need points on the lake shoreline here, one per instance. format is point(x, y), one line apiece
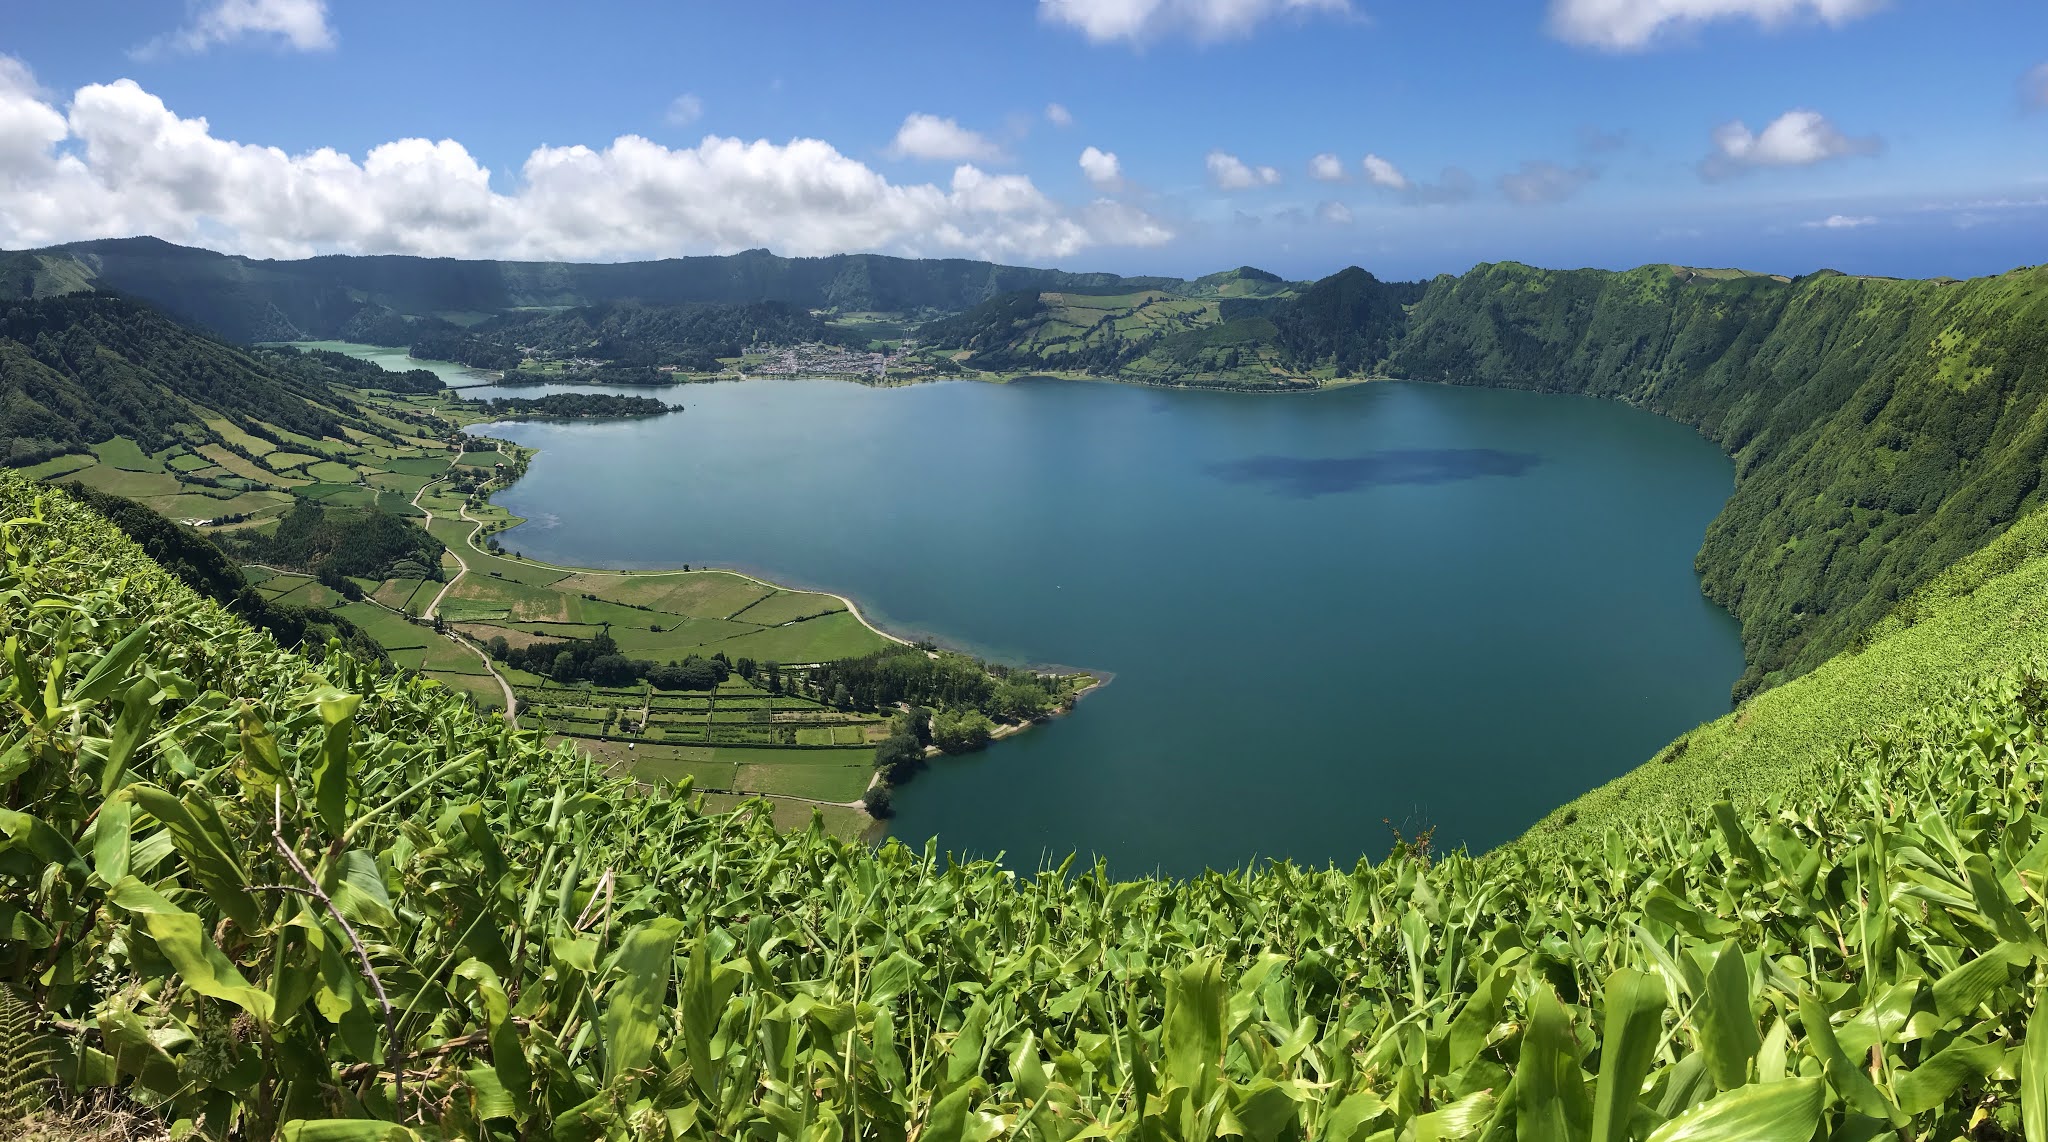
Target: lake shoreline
point(878, 828)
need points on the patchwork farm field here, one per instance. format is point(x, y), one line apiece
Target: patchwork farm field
point(406, 455)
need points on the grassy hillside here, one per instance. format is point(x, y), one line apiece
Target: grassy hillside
point(258, 897)
point(79, 370)
point(1882, 429)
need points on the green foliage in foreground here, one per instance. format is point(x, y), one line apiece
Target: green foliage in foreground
point(192, 815)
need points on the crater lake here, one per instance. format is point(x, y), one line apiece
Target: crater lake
point(1327, 616)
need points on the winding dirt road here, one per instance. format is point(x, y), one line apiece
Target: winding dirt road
point(511, 699)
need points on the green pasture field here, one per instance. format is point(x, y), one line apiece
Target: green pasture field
point(833, 636)
point(134, 485)
point(398, 482)
point(59, 466)
point(243, 467)
point(125, 454)
point(817, 782)
point(789, 606)
point(253, 445)
point(398, 594)
point(417, 466)
point(330, 471)
point(707, 594)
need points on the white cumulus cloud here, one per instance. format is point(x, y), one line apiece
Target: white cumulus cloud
point(1840, 222)
point(1797, 138)
point(1142, 21)
point(1326, 167)
point(297, 24)
point(1380, 172)
point(1229, 172)
point(930, 137)
point(1102, 169)
point(1058, 115)
point(1334, 213)
point(1630, 25)
point(118, 162)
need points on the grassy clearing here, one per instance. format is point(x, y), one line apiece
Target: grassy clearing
point(125, 454)
point(400, 594)
point(707, 594)
point(418, 466)
point(62, 465)
point(397, 482)
point(242, 467)
point(134, 485)
point(790, 606)
point(817, 782)
point(328, 470)
point(838, 635)
point(392, 632)
point(481, 688)
point(253, 445)
point(678, 637)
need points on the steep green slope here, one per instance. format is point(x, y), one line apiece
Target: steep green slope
point(79, 370)
point(249, 300)
point(255, 895)
point(1240, 329)
point(1882, 429)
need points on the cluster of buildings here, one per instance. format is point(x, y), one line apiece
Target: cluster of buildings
point(812, 359)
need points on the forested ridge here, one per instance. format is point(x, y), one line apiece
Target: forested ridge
point(381, 298)
point(80, 369)
point(693, 336)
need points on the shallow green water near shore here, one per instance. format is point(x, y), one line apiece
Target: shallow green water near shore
point(1415, 604)
point(399, 360)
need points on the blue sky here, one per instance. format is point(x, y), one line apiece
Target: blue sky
point(1902, 137)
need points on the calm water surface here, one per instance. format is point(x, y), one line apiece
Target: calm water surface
point(1428, 605)
point(400, 360)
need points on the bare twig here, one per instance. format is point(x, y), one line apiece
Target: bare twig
point(604, 891)
point(362, 953)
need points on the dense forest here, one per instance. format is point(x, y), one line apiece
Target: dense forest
point(341, 543)
point(371, 375)
point(1882, 429)
point(464, 348)
point(574, 406)
point(1349, 321)
point(691, 336)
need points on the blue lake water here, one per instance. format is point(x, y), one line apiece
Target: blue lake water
point(1425, 605)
